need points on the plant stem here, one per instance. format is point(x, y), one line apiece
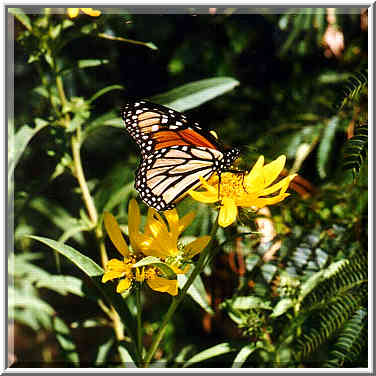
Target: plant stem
point(88, 200)
point(102, 247)
point(139, 321)
point(177, 300)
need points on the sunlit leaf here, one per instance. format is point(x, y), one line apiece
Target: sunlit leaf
point(221, 349)
point(194, 94)
point(95, 272)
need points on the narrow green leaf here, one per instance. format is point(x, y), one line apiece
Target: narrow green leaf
point(120, 39)
point(326, 146)
point(196, 291)
point(88, 63)
point(95, 272)
point(63, 284)
point(64, 337)
point(150, 260)
point(21, 16)
point(242, 355)
point(103, 352)
point(104, 91)
point(250, 302)
point(310, 284)
point(282, 306)
point(20, 141)
point(17, 299)
point(223, 348)
point(59, 217)
point(125, 356)
point(195, 93)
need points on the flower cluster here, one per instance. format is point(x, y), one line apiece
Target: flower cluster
point(155, 255)
point(251, 190)
point(73, 12)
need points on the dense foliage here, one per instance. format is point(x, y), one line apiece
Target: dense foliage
point(286, 287)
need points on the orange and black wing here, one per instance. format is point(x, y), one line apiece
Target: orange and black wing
point(167, 174)
point(155, 127)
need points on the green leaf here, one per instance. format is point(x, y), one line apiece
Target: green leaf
point(109, 119)
point(282, 306)
point(103, 351)
point(150, 260)
point(64, 337)
point(268, 271)
point(63, 284)
point(196, 291)
point(250, 302)
point(125, 356)
point(21, 16)
point(19, 142)
point(88, 63)
point(18, 299)
point(59, 217)
point(120, 39)
point(104, 91)
point(243, 354)
point(122, 195)
point(192, 95)
point(223, 348)
point(310, 284)
point(95, 272)
point(326, 146)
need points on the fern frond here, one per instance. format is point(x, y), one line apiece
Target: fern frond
point(349, 275)
point(354, 85)
point(356, 149)
point(325, 323)
point(351, 340)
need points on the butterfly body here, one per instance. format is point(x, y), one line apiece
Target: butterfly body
point(175, 153)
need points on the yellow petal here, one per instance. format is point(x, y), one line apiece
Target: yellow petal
point(185, 221)
point(91, 12)
point(228, 212)
point(164, 285)
point(123, 285)
point(73, 12)
point(134, 218)
point(283, 184)
point(254, 180)
point(114, 232)
point(261, 202)
point(108, 276)
point(172, 219)
point(173, 223)
point(207, 197)
point(272, 170)
point(180, 271)
point(196, 246)
point(162, 239)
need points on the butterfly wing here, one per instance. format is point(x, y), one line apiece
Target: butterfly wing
point(175, 152)
point(169, 173)
point(155, 127)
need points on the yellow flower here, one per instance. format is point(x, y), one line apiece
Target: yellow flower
point(73, 12)
point(252, 190)
point(158, 241)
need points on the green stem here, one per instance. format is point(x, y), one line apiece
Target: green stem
point(139, 321)
point(177, 300)
point(88, 200)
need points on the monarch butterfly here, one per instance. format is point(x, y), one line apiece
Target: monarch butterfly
point(175, 153)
